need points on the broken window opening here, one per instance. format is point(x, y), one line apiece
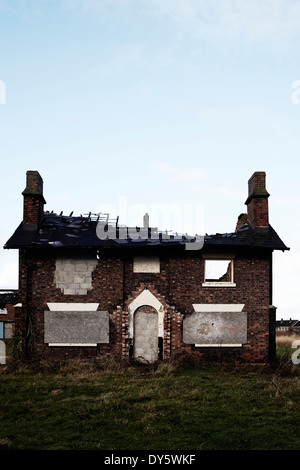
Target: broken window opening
point(219, 273)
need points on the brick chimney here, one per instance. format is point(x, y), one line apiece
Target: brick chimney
point(34, 201)
point(257, 201)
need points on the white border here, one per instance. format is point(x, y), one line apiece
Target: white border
point(146, 298)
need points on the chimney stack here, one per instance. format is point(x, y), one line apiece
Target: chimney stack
point(146, 220)
point(257, 201)
point(34, 201)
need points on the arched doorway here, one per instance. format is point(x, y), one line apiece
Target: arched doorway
point(146, 327)
point(145, 345)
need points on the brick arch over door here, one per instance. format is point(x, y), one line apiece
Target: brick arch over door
point(146, 298)
point(168, 320)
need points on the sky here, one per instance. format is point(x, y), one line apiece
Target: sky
point(159, 106)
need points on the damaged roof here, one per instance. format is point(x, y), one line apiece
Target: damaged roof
point(56, 231)
point(246, 235)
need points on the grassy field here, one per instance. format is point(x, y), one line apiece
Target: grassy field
point(165, 407)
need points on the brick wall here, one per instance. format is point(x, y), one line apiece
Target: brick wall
point(177, 286)
point(258, 212)
point(9, 313)
point(8, 299)
point(33, 207)
point(32, 210)
point(257, 201)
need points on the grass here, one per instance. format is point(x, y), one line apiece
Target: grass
point(287, 345)
point(164, 407)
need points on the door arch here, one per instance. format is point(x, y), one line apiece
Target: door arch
point(146, 327)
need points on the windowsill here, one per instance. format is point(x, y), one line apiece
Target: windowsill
point(218, 284)
point(146, 272)
point(72, 344)
point(238, 345)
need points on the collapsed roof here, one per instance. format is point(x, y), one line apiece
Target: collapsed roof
point(55, 231)
point(40, 229)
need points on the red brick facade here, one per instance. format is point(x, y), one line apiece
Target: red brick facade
point(177, 286)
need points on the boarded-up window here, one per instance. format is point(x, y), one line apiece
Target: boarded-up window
point(73, 275)
point(8, 330)
point(146, 264)
point(76, 328)
point(215, 328)
point(2, 352)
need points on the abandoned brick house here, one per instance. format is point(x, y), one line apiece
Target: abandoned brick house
point(150, 298)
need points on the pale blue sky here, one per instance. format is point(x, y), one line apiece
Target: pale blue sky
point(153, 105)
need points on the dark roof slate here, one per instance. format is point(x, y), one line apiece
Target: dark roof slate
point(288, 323)
point(77, 231)
point(248, 236)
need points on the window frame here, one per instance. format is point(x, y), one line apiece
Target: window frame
point(216, 283)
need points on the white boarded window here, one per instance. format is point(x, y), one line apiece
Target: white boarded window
point(146, 264)
point(219, 273)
